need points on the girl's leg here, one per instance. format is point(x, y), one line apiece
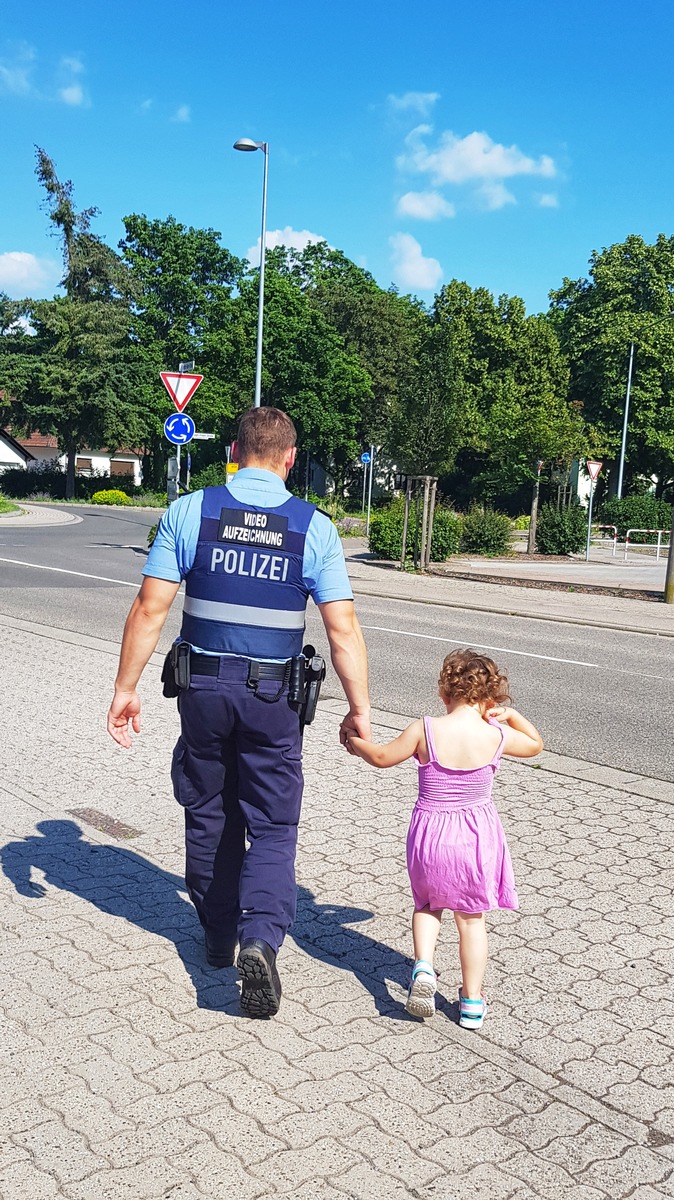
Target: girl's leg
point(425, 930)
point(472, 929)
point(421, 992)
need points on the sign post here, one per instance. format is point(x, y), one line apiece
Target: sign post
point(365, 459)
point(593, 468)
point(369, 493)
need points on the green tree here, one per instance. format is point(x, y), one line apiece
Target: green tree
point(505, 392)
point(183, 310)
point(383, 330)
point(75, 376)
point(305, 368)
point(627, 293)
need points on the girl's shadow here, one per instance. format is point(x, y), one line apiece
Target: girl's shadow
point(124, 884)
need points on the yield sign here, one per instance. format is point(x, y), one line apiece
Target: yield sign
point(594, 468)
point(180, 388)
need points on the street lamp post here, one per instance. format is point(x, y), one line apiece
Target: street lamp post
point(623, 444)
point(248, 145)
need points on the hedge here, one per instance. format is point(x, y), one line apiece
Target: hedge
point(637, 512)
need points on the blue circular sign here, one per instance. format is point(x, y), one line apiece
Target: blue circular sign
point(179, 428)
point(365, 457)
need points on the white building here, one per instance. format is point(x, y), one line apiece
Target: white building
point(41, 447)
point(12, 453)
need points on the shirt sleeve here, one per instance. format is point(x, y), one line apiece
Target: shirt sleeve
point(324, 568)
point(173, 549)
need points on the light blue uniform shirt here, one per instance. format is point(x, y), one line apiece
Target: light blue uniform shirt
point(323, 568)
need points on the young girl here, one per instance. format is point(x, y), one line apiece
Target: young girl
point(457, 855)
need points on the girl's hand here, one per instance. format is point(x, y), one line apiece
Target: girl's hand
point(499, 713)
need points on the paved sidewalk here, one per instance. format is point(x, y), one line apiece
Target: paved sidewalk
point(126, 1073)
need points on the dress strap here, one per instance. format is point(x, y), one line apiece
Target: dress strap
point(499, 749)
point(430, 740)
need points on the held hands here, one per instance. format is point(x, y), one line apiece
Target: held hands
point(354, 725)
point(125, 708)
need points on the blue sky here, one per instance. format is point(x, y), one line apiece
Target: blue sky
point(495, 143)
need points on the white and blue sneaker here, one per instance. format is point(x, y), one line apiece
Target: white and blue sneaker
point(471, 1012)
point(421, 992)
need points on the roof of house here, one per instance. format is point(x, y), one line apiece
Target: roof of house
point(40, 441)
point(15, 445)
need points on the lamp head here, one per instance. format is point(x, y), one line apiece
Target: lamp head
point(248, 145)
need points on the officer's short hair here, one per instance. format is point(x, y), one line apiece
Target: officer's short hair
point(266, 434)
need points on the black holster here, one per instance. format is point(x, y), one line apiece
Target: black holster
point(313, 676)
point(175, 674)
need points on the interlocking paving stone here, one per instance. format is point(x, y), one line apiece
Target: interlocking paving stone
point(126, 1071)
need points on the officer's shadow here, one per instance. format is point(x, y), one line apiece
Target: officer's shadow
point(123, 884)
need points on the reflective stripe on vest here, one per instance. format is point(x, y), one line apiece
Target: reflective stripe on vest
point(245, 593)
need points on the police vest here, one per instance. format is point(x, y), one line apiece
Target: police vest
point(245, 593)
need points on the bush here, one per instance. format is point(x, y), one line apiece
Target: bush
point(45, 477)
point(386, 532)
point(214, 475)
point(48, 479)
point(521, 522)
point(485, 531)
point(637, 512)
point(446, 537)
point(561, 530)
point(111, 496)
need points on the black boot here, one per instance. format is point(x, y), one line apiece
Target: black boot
point(261, 986)
point(220, 953)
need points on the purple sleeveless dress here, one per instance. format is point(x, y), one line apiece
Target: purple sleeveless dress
point(457, 856)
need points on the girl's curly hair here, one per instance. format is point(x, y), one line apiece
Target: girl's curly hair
point(473, 678)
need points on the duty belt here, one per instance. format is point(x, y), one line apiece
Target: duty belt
point(209, 664)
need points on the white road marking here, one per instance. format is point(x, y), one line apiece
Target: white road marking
point(62, 571)
point(429, 637)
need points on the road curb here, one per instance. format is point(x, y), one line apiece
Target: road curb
point(515, 612)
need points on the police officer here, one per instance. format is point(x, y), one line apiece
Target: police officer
point(250, 554)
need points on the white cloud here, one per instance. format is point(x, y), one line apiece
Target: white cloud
point(23, 274)
point(476, 156)
point(147, 104)
point(416, 102)
point(425, 206)
point(298, 239)
point(493, 195)
point(548, 200)
point(72, 95)
point(182, 114)
point(411, 269)
point(16, 72)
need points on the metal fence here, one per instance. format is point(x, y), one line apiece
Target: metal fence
point(659, 546)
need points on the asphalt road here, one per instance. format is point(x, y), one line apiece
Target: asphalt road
point(595, 695)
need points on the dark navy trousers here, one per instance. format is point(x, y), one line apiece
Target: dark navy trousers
point(237, 772)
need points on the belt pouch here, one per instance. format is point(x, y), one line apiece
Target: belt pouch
point(169, 688)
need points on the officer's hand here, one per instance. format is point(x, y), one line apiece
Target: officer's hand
point(125, 707)
point(357, 724)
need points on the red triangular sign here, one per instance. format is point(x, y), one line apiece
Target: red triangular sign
point(594, 468)
point(180, 388)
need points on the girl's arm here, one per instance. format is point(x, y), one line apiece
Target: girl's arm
point(408, 743)
point(522, 739)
